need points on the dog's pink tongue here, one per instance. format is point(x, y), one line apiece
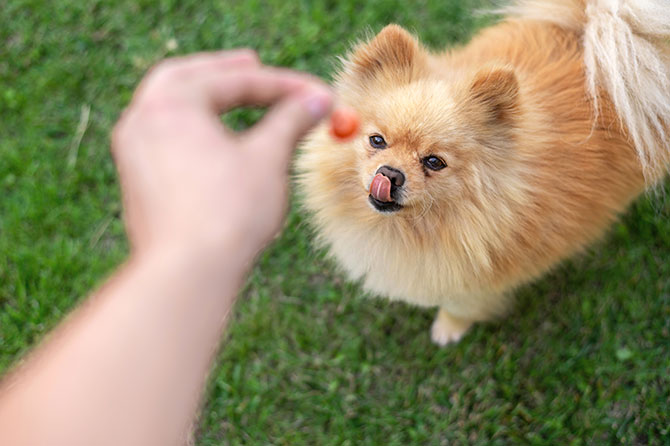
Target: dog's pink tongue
point(380, 188)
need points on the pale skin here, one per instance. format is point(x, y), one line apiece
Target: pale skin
point(128, 367)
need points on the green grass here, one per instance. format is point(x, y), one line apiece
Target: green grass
point(585, 359)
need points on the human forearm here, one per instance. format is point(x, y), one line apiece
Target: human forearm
point(129, 365)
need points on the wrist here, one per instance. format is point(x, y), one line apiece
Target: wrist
point(212, 262)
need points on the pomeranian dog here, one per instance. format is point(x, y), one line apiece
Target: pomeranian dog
point(479, 168)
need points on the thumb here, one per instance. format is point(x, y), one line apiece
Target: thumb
point(276, 135)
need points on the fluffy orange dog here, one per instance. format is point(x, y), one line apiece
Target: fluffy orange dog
point(478, 169)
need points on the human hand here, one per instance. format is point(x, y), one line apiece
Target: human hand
point(189, 182)
point(200, 201)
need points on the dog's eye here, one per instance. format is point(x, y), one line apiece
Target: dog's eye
point(433, 163)
point(377, 142)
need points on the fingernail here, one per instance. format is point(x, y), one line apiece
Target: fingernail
point(318, 104)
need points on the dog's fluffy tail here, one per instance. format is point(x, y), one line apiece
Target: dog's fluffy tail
point(627, 54)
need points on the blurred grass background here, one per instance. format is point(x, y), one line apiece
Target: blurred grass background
point(585, 358)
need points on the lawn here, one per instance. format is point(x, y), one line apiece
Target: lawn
point(584, 359)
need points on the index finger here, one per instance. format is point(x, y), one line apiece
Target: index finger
point(254, 87)
point(169, 74)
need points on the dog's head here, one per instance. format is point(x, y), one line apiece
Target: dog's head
point(432, 135)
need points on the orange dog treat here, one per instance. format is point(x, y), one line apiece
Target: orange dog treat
point(344, 123)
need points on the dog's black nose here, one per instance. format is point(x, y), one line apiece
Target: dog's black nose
point(397, 177)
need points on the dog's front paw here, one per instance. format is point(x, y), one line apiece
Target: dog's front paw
point(447, 329)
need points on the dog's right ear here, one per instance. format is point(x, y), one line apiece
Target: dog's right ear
point(492, 105)
point(393, 52)
point(496, 91)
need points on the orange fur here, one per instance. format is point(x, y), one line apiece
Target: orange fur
point(531, 178)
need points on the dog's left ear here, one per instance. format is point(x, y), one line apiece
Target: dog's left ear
point(393, 52)
point(496, 89)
